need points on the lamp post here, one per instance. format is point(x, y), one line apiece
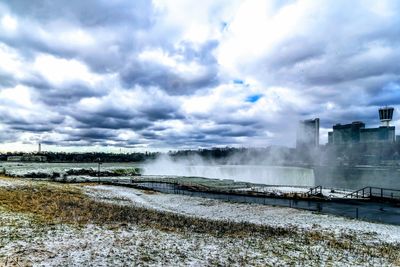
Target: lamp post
point(98, 168)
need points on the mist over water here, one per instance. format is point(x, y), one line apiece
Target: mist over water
point(264, 174)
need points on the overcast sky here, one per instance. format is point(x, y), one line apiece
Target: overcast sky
point(158, 75)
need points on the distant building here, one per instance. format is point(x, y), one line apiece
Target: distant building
point(380, 134)
point(28, 158)
point(346, 134)
point(356, 132)
point(14, 158)
point(308, 134)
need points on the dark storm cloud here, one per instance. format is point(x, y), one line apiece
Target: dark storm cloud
point(201, 54)
point(9, 116)
point(218, 134)
point(198, 141)
point(157, 75)
point(69, 94)
point(161, 112)
point(88, 13)
point(230, 131)
point(115, 114)
point(338, 61)
point(315, 65)
point(327, 50)
point(289, 53)
point(32, 128)
point(238, 121)
point(6, 81)
point(113, 25)
point(367, 115)
point(346, 69)
point(150, 135)
point(76, 142)
point(95, 134)
point(202, 136)
point(8, 136)
point(349, 62)
point(109, 122)
point(389, 95)
point(64, 94)
point(35, 124)
point(149, 73)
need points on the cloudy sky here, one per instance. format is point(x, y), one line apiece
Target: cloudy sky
point(167, 74)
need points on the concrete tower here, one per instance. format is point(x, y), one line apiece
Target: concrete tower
point(386, 115)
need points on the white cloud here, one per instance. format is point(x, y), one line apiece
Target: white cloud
point(195, 21)
point(9, 23)
point(257, 28)
point(77, 37)
point(176, 62)
point(60, 70)
point(160, 73)
point(11, 62)
point(20, 96)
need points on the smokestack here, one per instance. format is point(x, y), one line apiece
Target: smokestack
point(386, 115)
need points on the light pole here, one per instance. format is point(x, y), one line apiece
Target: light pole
point(98, 168)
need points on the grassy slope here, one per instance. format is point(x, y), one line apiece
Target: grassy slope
point(52, 204)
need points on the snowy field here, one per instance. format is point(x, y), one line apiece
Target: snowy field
point(254, 213)
point(338, 241)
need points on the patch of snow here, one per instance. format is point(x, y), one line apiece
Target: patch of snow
point(280, 190)
point(25, 242)
point(253, 213)
point(12, 182)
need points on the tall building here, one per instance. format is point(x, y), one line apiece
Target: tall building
point(346, 133)
point(308, 134)
point(356, 132)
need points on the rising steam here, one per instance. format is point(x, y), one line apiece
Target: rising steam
point(262, 173)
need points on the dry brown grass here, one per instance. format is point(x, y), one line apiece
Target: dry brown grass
point(67, 204)
point(54, 203)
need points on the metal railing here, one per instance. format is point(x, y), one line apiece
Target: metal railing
point(375, 192)
point(315, 191)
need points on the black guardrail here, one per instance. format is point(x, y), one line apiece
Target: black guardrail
point(352, 208)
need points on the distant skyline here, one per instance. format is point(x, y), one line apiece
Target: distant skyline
point(99, 75)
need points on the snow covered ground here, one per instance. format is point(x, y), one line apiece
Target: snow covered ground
point(12, 182)
point(280, 190)
point(130, 245)
point(254, 213)
point(24, 241)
